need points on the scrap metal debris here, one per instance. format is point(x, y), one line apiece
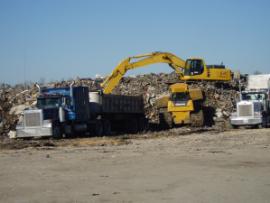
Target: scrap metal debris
point(219, 99)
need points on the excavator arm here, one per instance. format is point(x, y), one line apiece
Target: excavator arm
point(176, 63)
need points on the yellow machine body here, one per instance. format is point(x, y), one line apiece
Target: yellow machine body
point(180, 114)
point(196, 69)
point(191, 69)
point(180, 103)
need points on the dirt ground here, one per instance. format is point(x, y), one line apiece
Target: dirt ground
point(203, 166)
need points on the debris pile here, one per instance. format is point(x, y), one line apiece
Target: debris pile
point(221, 98)
point(14, 99)
point(92, 84)
point(151, 86)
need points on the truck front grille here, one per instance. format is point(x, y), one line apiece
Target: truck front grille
point(245, 110)
point(33, 118)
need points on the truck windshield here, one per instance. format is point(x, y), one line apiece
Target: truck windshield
point(43, 103)
point(193, 67)
point(179, 97)
point(253, 96)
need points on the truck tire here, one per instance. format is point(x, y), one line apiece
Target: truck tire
point(56, 132)
point(166, 120)
point(106, 127)
point(264, 122)
point(98, 128)
point(132, 126)
point(68, 131)
point(259, 126)
point(234, 126)
point(142, 124)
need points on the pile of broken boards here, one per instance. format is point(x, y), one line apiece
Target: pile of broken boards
point(220, 98)
point(14, 99)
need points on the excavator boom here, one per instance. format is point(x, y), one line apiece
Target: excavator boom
point(176, 63)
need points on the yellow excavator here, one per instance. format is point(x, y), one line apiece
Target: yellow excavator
point(182, 106)
point(188, 70)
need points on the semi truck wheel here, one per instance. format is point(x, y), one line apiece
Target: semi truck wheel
point(258, 126)
point(264, 121)
point(56, 132)
point(142, 124)
point(234, 126)
point(132, 126)
point(106, 127)
point(98, 131)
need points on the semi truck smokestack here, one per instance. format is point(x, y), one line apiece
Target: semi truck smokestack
point(71, 91)
point(70, 87)
point(39, 89)
point(269, 88)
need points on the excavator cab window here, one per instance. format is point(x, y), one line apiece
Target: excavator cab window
point(194, 67)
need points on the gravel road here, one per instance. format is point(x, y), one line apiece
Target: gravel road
point(232, 166)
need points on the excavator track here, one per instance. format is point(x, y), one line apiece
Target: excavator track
point(197, 119)
point(165, 119)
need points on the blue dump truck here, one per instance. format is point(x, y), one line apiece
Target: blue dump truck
point(71, 111)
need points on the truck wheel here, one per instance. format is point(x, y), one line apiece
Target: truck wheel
point(57, 134)
point(98, 131)
point(68, 131)
point(264, 122)
point(234, 126)
point(142, 124)
point(132, 126)
point(258, 126)
point(106, 127)
point(166, 120)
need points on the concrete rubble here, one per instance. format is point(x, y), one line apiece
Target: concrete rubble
point(14, 99)
point(220, 99)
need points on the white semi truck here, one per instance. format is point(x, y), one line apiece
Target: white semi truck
point(253, 109)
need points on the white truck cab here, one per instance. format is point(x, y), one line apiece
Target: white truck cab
point(254, 108)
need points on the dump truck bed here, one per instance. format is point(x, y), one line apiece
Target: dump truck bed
point(122, 104)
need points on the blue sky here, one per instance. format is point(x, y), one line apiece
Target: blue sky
point(62, 39)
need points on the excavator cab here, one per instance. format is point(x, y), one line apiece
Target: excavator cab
point(194, 67)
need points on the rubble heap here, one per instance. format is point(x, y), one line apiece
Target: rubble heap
point(13, 99)
point(221, 98)
point(151, 87)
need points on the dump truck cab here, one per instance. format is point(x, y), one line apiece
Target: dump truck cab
point(57, 110)
point(50, 103)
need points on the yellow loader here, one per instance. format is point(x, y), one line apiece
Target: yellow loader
point(182, 106)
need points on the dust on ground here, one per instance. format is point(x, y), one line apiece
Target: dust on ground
point(43, 143)
point(204, 166)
